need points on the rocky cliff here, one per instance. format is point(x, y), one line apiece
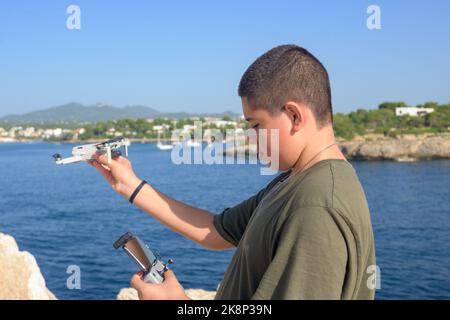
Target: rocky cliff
point(20, 276)
point(404, 148)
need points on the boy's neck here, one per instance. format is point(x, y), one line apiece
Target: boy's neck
point(322, 146)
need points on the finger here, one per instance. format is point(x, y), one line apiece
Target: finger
point(104, 172)
point(103, 160)
point(104, 166)
point(169, 276)
point(122, 160)
point(169, 273)
point(94, 162)
point(137, 282)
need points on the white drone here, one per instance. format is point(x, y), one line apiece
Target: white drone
point(86, 152)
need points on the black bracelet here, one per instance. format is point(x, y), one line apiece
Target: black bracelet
point(136, 191)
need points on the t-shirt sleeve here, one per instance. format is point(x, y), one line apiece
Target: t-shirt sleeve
point(309, 258)
point(231, 222)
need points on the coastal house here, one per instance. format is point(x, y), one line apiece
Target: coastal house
point(160, 128)
point(189, 127)
point(412, 111)
point(49, 133)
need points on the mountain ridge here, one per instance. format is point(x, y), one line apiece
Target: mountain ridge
point(74, 112)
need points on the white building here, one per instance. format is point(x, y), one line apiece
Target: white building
point(162, 127)
point(28, 132)
point(48, 133)
point(223, 123)
point(13, 131)
point(412, 111)
point(189, 127)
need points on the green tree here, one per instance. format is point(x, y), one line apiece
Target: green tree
point(343, 125)
point(392, 105)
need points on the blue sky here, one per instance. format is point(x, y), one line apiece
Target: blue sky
point(190, 55)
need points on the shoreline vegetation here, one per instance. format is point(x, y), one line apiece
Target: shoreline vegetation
point(378, 134)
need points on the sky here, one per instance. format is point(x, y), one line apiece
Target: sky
point(190, 55)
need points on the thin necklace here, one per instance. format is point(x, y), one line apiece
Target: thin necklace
point(315, 156)
point(287, 178)
point(282, 181)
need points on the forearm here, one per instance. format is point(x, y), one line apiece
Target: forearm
point(193, 223)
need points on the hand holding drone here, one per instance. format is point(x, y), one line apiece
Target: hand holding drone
point(86, 152)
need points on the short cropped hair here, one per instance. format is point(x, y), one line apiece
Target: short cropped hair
point(288, 73)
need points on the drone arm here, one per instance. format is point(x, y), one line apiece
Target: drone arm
point(69, 160)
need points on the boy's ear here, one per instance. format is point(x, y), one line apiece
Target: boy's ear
point(296, 113)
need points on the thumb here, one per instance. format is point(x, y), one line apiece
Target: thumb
point(137, 282)
point(169, 276)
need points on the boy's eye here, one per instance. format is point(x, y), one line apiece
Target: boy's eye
point(255, 126)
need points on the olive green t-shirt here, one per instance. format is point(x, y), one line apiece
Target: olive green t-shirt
point(306, 236)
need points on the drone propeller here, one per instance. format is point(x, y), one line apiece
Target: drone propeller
point(57, 157)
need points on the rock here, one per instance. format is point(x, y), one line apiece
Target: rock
point(20, 276)
point(200, 294)
point(194, 294)
point(127, 294)
point(405, 148)
point(373, 146)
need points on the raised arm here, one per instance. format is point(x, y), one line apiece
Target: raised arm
point(193, 223)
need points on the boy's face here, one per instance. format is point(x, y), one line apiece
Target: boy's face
point(288, 150)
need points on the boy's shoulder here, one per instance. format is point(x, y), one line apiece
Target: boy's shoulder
point(334, 185)
point(319, 186)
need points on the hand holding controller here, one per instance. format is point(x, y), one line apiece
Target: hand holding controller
point(150, 263)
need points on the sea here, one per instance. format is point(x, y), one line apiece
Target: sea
point(68, 217)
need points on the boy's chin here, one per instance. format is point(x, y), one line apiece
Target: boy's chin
point(274, 166)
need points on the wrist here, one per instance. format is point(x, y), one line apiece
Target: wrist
point(137, 190)
point(127, 189)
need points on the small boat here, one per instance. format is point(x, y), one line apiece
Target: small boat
point(194, 144)
point(162, 146)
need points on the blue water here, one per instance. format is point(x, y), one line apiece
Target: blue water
point(68, 215)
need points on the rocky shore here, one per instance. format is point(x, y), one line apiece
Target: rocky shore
point(21, 278)
point(403, 148)
point(380, 147)
point(194, 294)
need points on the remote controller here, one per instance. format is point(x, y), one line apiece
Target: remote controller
point(150, 263)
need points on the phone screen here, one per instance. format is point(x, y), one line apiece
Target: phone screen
point(140, 253)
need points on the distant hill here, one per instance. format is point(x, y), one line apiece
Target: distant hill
point(78, 113)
